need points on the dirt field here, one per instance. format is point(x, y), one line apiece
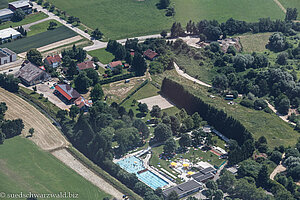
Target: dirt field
point(162, 102)
point(74, 164)
point(46, 135)
point(117, 91)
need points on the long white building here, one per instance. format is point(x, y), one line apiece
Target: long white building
point(9, 33)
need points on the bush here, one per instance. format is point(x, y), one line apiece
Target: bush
point(260, 104)
point(247, 103)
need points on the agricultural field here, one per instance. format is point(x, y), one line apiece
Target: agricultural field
point(254, 42)
point(291, 4)
point(41, 27)
point(25, 168)
point(28, 19)
point(138, 17)
point(39, 40)
point(104, 56)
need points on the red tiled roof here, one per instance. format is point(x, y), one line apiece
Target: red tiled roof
point(80, 102)
point(132, 53)
point(115, 63)
point(86, 65)
point(63, 92)
point(67, 91)
point(150, 54)
point(53, 59)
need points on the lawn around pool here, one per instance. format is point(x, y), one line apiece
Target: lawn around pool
point(131, 18)
point(25, 168)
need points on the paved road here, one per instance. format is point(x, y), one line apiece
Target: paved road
point(185, 75)
point(27, 26)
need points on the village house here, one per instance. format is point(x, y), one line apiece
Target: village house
point(113, 65)
point(7, 56)
point(53, 61)
point(25, 5)
point(85, 65)
point(67, 92)
point(31, 74)
point(83, 104)
point(150, 55)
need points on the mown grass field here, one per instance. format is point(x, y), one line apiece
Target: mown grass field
point(254, 42)
point(3, 4)
point(39, 40)
point(104, 56)
point(205, 72)
point(41, 27)
point(25, 168)
point(128, 18)
point(259, 123)
point(291, 4)
point(29, 19)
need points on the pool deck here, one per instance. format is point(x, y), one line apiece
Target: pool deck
point(150, 168)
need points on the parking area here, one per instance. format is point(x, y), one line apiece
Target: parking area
point(47, 89)
point(159, 100)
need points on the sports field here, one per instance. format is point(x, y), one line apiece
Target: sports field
point(25, 168)
point(39, 40)
point(126, 18)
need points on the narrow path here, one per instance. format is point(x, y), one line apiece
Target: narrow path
point(27, 26)
point(283, 117)
point(278, 169)
point(280, 6)
point(185, 75)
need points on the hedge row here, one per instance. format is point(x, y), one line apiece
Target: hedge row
point(117, 78)
point(133, 92)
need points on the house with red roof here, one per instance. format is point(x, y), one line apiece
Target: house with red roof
point(53, 61)
point(150, 55)
point(85, 65)
point(67, 92)
point(83, 104)
point(113, 65)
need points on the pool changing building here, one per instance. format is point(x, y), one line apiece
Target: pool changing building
point(184, 189)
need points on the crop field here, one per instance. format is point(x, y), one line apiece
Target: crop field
point(25, 168)
point(119, 19)
point(254, 42)
point(39, 40)
point(291, 4)
point(28, 19)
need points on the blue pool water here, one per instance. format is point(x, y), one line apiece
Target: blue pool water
point(133, 165)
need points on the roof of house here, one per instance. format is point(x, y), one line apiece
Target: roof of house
point(183, 188)
point(67, 91)
point(6, 33)
point(150, 54)
point(85, 65)
point(53, 59)
point(81, 101)
point(29, 72)
point(20, 4)
point(6, 11)
point(115, 63)
point(2, 55)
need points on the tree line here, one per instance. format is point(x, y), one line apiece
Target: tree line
point(9, 128)
point(213, 30)
point(227, 125)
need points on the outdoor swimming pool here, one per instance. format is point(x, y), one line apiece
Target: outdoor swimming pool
point(134, 165)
